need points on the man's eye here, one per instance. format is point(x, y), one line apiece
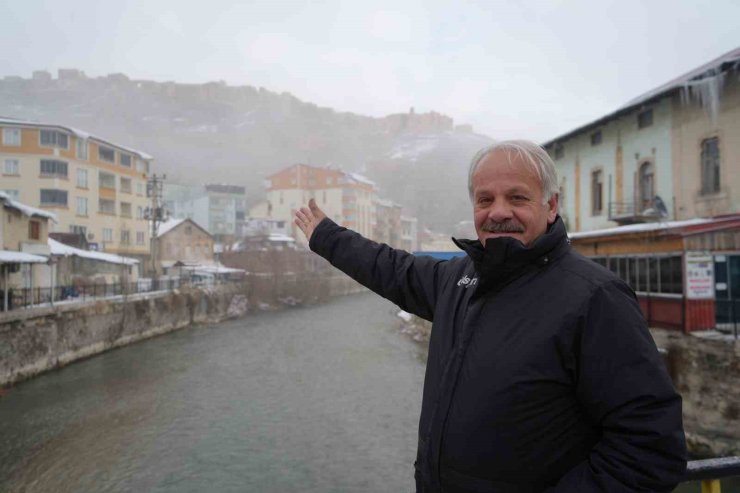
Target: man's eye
point(519, 198)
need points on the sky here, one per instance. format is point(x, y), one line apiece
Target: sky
point(519, 69)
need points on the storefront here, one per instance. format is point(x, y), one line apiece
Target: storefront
point(686, 274)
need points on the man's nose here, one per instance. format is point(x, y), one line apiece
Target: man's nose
point(499, 211)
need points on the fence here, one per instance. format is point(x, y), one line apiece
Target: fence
point(28, 297)
point(711, 471)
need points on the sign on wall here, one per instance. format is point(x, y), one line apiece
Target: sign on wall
point(699, 268)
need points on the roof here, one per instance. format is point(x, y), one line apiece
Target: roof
point(709, 69)
point(74, 131)
point(168, 225)
point(360, 179)
point(172, 223)
point(26, 209)
point(61, 250)
point(13, 257)
point(682, 228)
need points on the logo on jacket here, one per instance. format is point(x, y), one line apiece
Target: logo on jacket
point(467, 282)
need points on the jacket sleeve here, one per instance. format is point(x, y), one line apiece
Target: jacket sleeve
point(626, 391)
point(407, 280)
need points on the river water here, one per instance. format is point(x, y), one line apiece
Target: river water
point(317, 399)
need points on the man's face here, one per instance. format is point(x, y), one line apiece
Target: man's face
point(507, 200)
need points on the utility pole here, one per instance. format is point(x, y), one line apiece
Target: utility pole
point(155, 213)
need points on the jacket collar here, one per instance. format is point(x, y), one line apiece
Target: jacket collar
point(505, 258)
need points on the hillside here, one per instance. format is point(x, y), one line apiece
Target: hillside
point(217, 133)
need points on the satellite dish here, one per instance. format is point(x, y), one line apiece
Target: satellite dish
point(660, 207)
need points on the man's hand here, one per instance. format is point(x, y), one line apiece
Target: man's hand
point(308, 218)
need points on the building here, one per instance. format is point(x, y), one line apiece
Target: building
point(23, 247)
point(348, 198)
point(94, 187)
point(220, 209)
point(183, 241)
point(409, 234)
point(387, 222)
point(668, 154)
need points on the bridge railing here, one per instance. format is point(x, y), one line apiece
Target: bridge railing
point(711, 471)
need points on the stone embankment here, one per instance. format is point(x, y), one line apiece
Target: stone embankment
point(706, 373)
point(40, 339)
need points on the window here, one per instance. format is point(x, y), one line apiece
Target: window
point(78, 230)
point(13, 194)
point(139, 237)
point(671, 275)
point(12, 137)
point(139, 212)
point(53, 167)
point(34, 230)
point(53, 197)
point(54, 138)
point(597, 187)
point(82, 148)
point(126, 209)
point(125, 237)
point(596, 138)
point(125, 160)
point(107, 180)
point(710, 166)
point(139, 188)
point(559, 151)
point(126, 185)
point(106, 206)
point(189, 229)
point(82, 206)
point(645, 119)
point(107, 234)
point(106, 154)
point(11, 167)
point(81, 178)
point(647, 184)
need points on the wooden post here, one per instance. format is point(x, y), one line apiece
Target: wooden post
point(710, 486)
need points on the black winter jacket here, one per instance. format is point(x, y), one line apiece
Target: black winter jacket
point(541, 374)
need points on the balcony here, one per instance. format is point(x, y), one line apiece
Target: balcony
point(635, 212)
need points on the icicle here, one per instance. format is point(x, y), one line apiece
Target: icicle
point(706, 91)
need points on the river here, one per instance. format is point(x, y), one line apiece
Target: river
point(316, 399)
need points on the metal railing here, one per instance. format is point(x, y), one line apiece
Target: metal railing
point(19, 298)
point(711, 471)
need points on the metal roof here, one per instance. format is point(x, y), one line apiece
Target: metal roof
point(709, 69)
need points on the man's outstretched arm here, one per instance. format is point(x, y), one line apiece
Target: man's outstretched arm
point(405, 279)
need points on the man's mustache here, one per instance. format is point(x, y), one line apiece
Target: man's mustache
point(504, 227)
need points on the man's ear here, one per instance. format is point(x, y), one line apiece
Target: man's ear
point(552, 208)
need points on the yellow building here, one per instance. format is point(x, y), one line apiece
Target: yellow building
point(94, 187)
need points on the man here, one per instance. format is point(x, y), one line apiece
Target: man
point(541, 374)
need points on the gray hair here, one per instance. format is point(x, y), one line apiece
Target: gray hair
point(530, 153)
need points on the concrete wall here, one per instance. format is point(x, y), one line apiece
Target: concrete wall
point(38, 340)
point(34, 341)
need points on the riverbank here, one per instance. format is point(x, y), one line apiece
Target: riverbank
point(706, 373)
point(36, 340)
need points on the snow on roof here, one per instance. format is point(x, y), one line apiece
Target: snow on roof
point(26, 209)
point(360, 179)
point(280, 237)
point(168, 225)
point(707, 71)
point(12, 257)
point(414, 149)
point(76, 132)
point(639, 228)
point(62, 250)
